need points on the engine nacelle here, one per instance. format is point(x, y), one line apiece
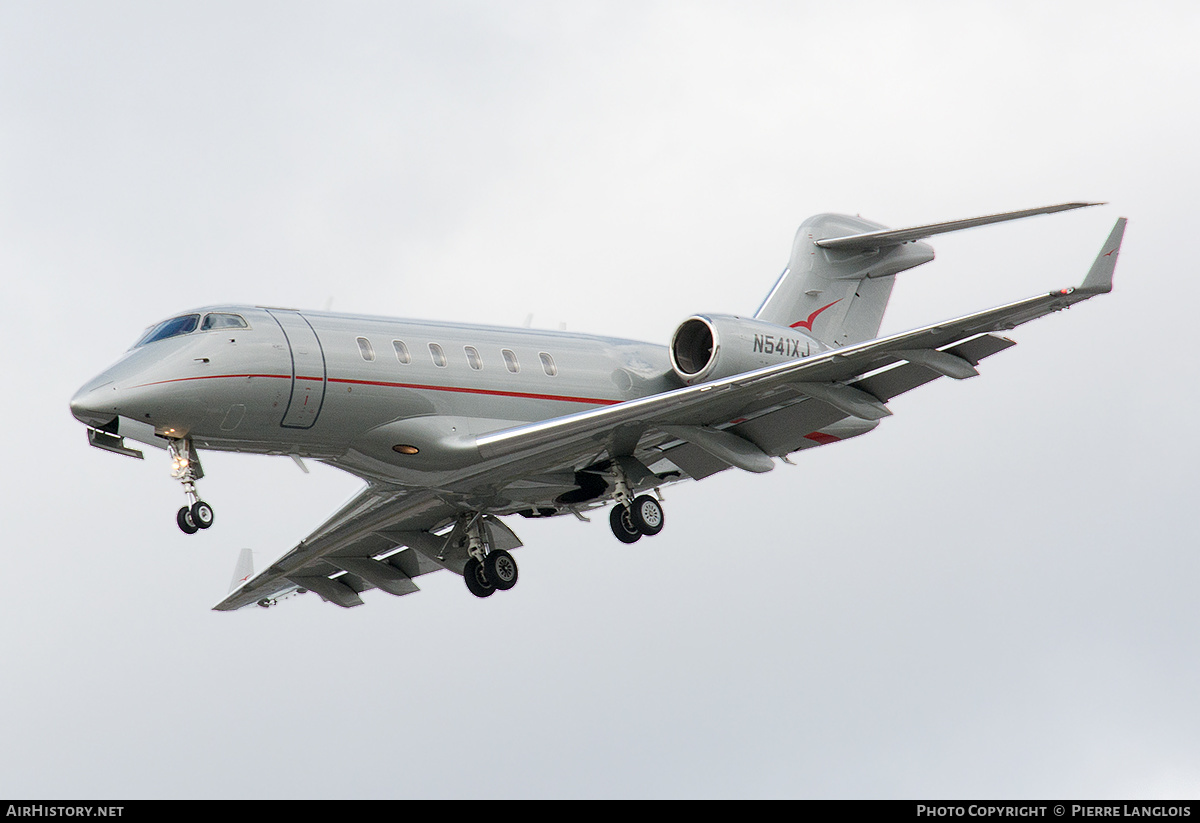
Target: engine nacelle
point(712, 346)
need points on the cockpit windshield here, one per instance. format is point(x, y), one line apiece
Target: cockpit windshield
point(184, 324)
point(220, 320)
point(188, 323)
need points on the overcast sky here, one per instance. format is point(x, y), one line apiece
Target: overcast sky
point(992, 595)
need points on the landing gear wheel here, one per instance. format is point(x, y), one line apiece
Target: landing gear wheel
point(202, 514)
point(622, 525)
point(476, 580)
point(186, 524)
point(646, 515)
point(500, 569)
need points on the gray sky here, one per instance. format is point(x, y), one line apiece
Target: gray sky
point(991, 595)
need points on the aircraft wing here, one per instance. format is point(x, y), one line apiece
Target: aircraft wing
point(743, 420)
point(825, 378)
point(337, 561)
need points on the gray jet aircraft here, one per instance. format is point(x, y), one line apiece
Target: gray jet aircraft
point(454, 427)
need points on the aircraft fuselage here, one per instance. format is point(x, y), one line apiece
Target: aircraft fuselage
point(329, 386)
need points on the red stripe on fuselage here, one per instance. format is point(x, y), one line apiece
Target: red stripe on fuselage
point(212, 377)
point(595, 401)
point(493, 392)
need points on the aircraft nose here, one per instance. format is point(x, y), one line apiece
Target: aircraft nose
point(95, 404)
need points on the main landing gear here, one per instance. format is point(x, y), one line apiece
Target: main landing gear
point(185, 467)
point(644, 516)
point(487, 571)
point(498, 571)
point(633, 517)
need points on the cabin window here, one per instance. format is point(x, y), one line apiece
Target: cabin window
point(402, 352)
point(473, 357)
point(510, 360)
point(364, 348)
point(218, 320)
point(439, 356)
point(548, 364)
point(184, 324)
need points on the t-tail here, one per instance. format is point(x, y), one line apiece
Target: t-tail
point(842, 269)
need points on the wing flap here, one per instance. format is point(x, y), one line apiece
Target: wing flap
point(380, 574)
point(695, 461)
point(334, 591)
point(896, 381)
point(364, 527)
point(725, 446)
point(783, 430)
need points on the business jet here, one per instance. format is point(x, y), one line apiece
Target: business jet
point(454, 427)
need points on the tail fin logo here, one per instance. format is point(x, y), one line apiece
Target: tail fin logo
point(807, 324)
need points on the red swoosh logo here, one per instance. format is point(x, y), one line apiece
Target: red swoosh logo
point(807, 324)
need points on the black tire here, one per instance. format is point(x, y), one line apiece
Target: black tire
point(622, 525)
point(647, 515)
point(476, 580)
point(202, 514)
point(501, 569)
point(184, 519)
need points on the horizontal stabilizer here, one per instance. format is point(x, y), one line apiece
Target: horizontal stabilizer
point(894, 237)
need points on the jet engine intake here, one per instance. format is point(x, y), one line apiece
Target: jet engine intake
point(711, 346)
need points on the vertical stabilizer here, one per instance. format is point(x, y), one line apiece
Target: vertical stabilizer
point(838, 296)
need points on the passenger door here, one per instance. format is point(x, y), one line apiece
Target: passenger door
point(308, 370)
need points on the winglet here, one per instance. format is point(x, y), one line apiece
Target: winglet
point(1099, 278)
point(243, 571)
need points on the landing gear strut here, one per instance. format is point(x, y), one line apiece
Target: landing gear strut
point(185, 467)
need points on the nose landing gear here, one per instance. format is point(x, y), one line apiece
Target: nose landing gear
point(185, 467)
point(192, 518)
